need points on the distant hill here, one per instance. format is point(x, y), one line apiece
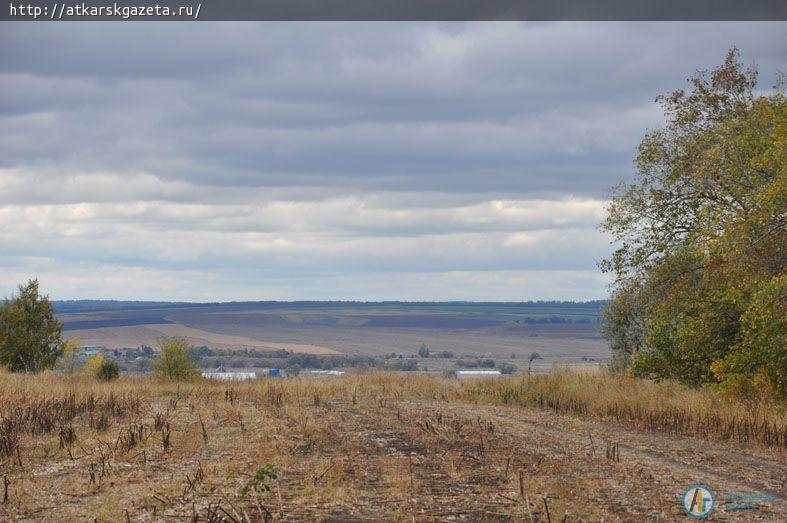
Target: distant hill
point(559, 329)
point(81, 306)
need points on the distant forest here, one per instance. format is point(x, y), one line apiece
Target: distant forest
point(76, 306)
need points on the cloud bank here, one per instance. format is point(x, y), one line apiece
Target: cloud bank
point(240, 161)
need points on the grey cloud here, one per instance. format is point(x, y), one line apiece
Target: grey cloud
point(279, 152)
point(360, 105)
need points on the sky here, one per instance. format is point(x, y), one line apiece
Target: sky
point(355, 161)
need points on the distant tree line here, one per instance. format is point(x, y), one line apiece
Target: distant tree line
point(504, 368)
point(72, 306)
point(279, 358)
point(554, 320)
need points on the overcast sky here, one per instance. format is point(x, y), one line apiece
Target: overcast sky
point(245, 161)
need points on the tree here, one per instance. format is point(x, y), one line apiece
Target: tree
point(423, 351)
point(93, 363)
point(30, 335)
point(70, 357)
point(702, 236)
point(175, 361)
point(624, 325)
point(697, 177)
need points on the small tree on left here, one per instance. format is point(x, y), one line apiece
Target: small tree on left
point(30, 335)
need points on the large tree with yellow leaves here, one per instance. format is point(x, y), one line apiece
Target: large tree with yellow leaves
point(700, 291)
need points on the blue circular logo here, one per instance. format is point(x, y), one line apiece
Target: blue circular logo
point(698, 501)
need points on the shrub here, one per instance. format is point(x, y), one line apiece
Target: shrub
point(108, 370)
point(403, 365)
point(175, 361)
point(507, 368)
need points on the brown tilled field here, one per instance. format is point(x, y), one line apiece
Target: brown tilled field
point(380, 447)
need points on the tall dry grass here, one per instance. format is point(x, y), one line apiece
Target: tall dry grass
point(666, 407)
point(49, 401)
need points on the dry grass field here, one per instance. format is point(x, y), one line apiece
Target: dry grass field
point(561, 447)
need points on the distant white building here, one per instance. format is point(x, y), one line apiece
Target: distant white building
point(327, 372)
point(478, 374)
point(230, 376)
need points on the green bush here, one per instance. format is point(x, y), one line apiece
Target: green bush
point(175, 361)
point(107, 370)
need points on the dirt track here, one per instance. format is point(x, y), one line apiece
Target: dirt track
point(569, 454)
